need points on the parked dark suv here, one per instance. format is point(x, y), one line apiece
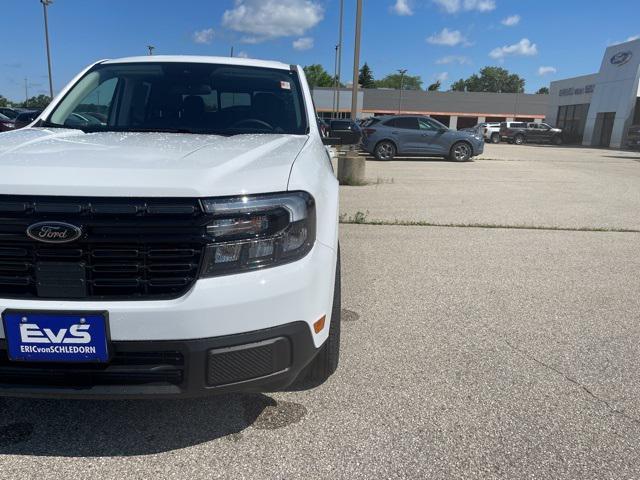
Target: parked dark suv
point(522, 132)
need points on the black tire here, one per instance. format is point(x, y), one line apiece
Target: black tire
point(326, 361)
point(557, 140)
point(495, 138)
point(460, 152)
point(385, 150)
point(519, 139)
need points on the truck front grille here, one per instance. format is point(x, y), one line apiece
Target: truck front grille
point(129, 249)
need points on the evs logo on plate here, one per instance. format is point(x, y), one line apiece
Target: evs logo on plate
point(56, 337)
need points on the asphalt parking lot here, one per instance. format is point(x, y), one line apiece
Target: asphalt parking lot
point(469, 351)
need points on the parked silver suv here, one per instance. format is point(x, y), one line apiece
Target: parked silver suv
point(419, 136)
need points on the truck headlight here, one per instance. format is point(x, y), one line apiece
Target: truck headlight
point(257, 231)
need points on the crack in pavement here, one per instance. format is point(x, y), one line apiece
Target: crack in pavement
point(359, 220)
point(582, 387)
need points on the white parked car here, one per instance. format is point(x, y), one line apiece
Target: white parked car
point(181, 240)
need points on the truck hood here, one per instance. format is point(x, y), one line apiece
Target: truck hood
point(41, 161)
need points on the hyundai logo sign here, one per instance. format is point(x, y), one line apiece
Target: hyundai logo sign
point(54, 232)
point(621, 58)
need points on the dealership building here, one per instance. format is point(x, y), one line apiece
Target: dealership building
point(598, 109)
point(593, 110)
point(454, 109)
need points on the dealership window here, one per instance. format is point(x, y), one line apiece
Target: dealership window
point(572, 120)
point(636, 114)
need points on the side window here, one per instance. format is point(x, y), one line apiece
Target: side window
point(95, 106)
point(533, 126)
point(390, 123)
point(407, 123)
point(426, 125)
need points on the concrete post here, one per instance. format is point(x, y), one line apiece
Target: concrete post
point(453, 122)
point(351, 168)
point(482, 119)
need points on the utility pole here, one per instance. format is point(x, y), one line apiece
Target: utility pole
point(151, 49)
point(339, 53)
point(26, 92)
point(231, 55)
point(45, 4)
point(336, 84)
point(356, 62)
point(402, 74)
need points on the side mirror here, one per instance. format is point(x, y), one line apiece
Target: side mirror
point(442, 130)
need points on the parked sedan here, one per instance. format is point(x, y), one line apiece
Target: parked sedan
point(6, 124)
point(347, 131)
point(25, 118)
point(419, 136)
point(10, 113)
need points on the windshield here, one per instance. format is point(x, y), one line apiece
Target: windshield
point(185, 98)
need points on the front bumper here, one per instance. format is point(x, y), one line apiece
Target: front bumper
point(260, 361)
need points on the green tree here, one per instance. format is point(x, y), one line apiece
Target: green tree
point(434, 87)
point(393, 81)
point(543, 91)
point(491, 79)
point(317, 76)
point(365, 79)
point(3, 101)
point(38, 103)
point(458, 86)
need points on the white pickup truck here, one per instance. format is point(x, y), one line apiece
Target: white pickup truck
point(168, 228)
point(491, 131)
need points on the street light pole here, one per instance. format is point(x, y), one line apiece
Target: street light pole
point(336, 84)
point(356, 62)
point(339, 54)
point(45, 4)
point(151, 49)
point(402, 73)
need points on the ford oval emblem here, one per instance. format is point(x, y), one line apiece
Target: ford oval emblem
point(54, 232)
point(621, 58)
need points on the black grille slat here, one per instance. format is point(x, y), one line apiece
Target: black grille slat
point(124, 368)
point(130, 248)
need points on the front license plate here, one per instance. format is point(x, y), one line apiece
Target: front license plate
point(56, 336)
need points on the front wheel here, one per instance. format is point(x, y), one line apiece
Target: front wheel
point(495, 138)
point(460, 152)
point(557, 140)
point(518, 139)
point(385, 151)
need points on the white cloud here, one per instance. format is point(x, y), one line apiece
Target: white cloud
point(442, 77)
point(546, 70)
point(447, 37)
point(511, 20)
point(523, 48)
point(459, 59)
point(455, 6)
point(262, 20)
point(303, 43)
point(203, 36)
point(402, 7)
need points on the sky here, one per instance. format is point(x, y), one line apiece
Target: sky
point(541, 40)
